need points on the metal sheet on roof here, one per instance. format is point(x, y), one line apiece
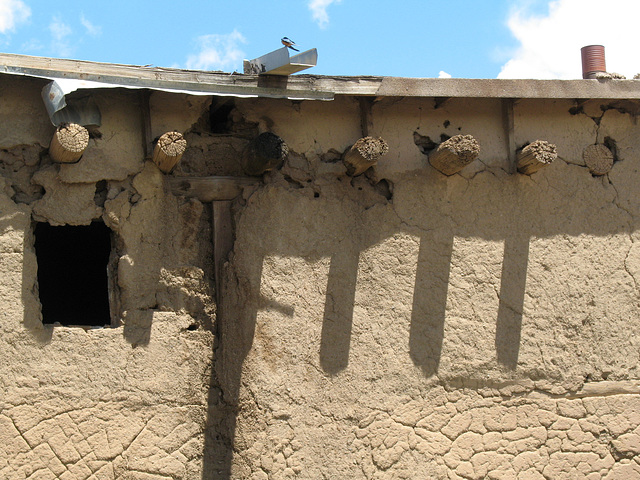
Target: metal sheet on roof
point(279, 62)
point(83, 110)
point(73, 75)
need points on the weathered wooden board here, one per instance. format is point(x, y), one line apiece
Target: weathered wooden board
point(209, 189)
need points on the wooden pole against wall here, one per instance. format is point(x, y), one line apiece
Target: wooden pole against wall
point(508, 118)
point(364, 154)
point(210, 189)
point(366, 115)
point(222, 230)
point(169, 150)
point(536, 155)
point(68, 143)
point(454, 154)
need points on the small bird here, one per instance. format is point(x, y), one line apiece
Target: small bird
point(287, 42)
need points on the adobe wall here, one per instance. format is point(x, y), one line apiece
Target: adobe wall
point(400, 324)
point(483, 325)
point(104, 403)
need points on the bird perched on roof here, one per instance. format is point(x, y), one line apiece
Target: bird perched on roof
point(287, 42)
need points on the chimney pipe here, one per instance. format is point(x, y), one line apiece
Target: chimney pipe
point(592, 61)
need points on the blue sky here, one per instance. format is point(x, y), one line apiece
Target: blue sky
point(409, 38)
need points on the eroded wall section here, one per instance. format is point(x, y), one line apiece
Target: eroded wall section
point(124, 401)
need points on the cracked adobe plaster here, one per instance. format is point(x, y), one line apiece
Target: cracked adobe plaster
point(578, 307)
point(114, 402)
point(365, 332)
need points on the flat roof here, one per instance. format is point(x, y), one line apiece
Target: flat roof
point(307, 87)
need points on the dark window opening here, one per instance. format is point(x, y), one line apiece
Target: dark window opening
point(219, 113)
point(72, 273)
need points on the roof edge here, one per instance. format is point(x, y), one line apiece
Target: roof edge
point(311, 87)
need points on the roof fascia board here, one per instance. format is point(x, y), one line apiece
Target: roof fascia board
point(312, 87)
point(174, 80)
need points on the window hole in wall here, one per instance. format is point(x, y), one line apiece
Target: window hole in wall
point(72, 273)
point(219, 116)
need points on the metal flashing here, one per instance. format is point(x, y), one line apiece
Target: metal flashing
point(279, 62)
point(82, 111)
point(73, 75)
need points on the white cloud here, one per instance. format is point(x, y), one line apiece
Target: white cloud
point(444, 74)
point(60, 32)
point(319, 11)
point(91, 28)
point(218, 52)
point(550, 44)
point(12, 13)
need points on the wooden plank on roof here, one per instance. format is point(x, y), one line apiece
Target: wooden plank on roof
point(313, 86)
point(132, 76)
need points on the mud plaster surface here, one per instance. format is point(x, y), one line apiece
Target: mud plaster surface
point(126, 402)
point(452, 332)
point(398, 320)
point(482, 325)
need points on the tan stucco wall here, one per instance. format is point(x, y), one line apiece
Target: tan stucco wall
point(126, 402)
point(480, 325)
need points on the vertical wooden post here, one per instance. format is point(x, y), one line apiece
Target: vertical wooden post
point(366, 117)
point(509, 130)
point(147, 142)
point(68, 143)
point(222, 231)
point(209, 189)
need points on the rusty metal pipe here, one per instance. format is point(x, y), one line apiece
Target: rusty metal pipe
point(592, 60)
